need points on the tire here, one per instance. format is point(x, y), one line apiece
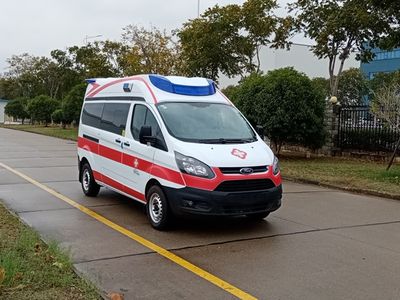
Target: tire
point(258, 216)
point(157, 209)
point(89, 186)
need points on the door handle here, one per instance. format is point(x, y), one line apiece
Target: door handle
point(118, 141)
point(127, 144)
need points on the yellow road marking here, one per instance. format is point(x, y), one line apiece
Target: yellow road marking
point(141, 240)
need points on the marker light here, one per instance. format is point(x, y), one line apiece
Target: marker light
point(127, 87)
point(275, 166)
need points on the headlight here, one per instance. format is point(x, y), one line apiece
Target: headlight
point(192, 166)
point(275, 166)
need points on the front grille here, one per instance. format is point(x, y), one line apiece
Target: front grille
point(236, 170)
point(245, 185)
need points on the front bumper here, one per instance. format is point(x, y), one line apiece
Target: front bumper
point(201, 202)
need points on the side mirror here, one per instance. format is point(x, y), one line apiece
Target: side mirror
point(145, 136)
point(260, 131)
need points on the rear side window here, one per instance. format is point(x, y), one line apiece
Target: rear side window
point(114, 117)
point(91, 115)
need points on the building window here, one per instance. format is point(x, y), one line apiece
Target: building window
point(387, 55)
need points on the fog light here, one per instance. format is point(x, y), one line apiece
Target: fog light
point(188, 203)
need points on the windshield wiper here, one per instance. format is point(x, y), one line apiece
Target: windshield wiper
point(226, 141)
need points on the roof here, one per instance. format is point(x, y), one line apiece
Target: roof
point(156, 88)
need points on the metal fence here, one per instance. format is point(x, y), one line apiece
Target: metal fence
point(359, 129)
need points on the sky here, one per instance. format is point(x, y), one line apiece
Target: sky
point(39, 26)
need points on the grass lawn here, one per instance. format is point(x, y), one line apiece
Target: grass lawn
point(348, 173)
point(30, 269)
point(56, 131)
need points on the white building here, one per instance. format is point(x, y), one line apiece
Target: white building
point(300, 57)
point(3, 104)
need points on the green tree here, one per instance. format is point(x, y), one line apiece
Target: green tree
point(230, 91)
point(339, 28)
point(149, 51)
point(353, 87)
point(322, 84)
point(90, 61)
point(58, 117)
point(72, 103)
point(17, 109)
point(391, 9)
point(227, 39)
point(8, 88)
point(386, 106)
point(41, 108)
point(287, 104)
point(33, 75)
point(381, 80)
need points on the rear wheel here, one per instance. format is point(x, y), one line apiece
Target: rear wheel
point(157, 208)
point(89, 186)
point(258, 216)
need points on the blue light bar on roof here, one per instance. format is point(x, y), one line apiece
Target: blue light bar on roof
point(91, 80)
point(164, 84)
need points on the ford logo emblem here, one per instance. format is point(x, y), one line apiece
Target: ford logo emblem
point(246, 170)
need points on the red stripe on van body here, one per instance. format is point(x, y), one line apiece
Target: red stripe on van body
point(94, 86)
point(129, 160)
point(109, 153)
point(119, 186)
point(172, 175)
point(167, 174)
point(138, 78)
point(88, 145)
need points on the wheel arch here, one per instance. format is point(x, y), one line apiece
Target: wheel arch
point(149, 184)
point(81, 163)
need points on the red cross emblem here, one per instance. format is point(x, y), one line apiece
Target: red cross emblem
point(239, 153)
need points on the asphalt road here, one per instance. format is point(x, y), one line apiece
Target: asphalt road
point(322, 243)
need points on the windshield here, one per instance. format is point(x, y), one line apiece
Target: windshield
point(211, 123)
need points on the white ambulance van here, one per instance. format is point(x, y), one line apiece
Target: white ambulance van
point(177, 145)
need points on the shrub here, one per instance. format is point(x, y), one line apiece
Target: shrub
point(17, 109)
point(287, 104)
point(72, 103)
point(58, 116)
point(41, 108)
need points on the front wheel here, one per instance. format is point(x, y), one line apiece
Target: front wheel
point(157, 208)
point(89, 186)
point(258, 216)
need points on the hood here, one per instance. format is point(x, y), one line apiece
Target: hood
point(228, 155)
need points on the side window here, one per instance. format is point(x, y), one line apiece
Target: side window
point(143, 116)
point(91, 115)
point(114, 117)
point(155, 129)
point(139, 117)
